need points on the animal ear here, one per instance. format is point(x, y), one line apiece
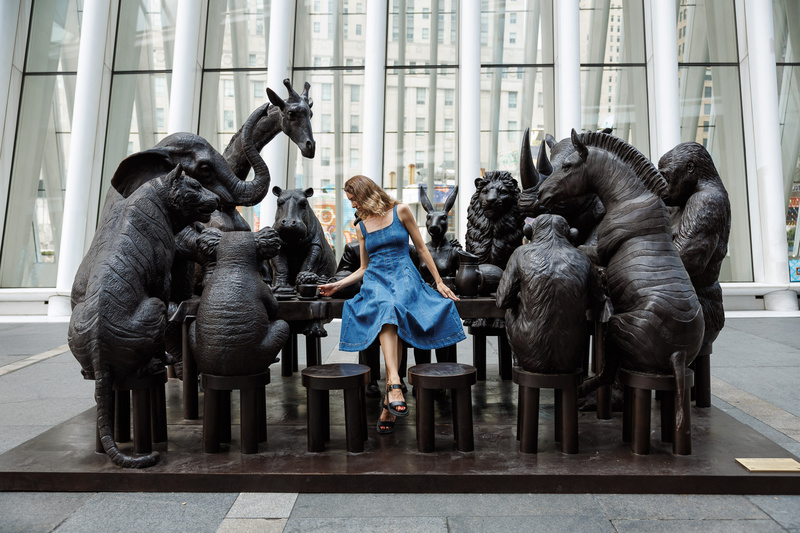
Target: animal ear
point(309, 192)
point(175, 174)
point(276, 100)
point(423, 199)
point(139, 168)
point(479, 182)
point(268, 243)
point(543, 163)
point(277, 190)
point(451, 199)
point(607, 131)
point(572, 236)
point(207, 243)
point(690, 167)
point(579, 146)
point(528, 175)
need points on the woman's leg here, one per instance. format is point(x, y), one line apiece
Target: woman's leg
point(390, 343)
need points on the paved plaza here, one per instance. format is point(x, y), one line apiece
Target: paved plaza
point(755, 368)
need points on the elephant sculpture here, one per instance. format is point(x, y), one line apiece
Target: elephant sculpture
point(443, 251)
point(236, 332)
point(120, 296)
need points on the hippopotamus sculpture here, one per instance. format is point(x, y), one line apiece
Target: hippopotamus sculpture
point(546, 289)
point(236, 332)
point(306, 256)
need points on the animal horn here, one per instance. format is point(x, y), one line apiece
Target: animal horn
point(543, 163)
point(550, 140)
point(579, 146)
point(528, 175)
point(288, 84)
point(423, 199)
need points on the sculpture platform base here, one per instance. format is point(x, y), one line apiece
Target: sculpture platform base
point(63, 458)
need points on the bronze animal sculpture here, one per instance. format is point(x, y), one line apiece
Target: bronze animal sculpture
point(657, 325)
point(236, 332)
point(702, 227)
point(120, 295)
point(444, 252)
point(546, 289)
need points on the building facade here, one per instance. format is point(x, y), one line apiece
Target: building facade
point(408, 92)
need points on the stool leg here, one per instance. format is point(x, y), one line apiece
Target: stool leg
point(225, 416)
point(142, 437)
point(462, 419)
point(315, 400)
point(313, 350)
point(295, 346)
point(528, 412)
point(667, 415)
point(520, 403)
point(352, 421)
point(248, 425)
point(604, 391)
point(286, 355)
point(403, 367)
point(557, 416)
point(447, 354)
point(211, 421)
point(326, 414)
point(682, 441)
point(372, 358)
point(362, 399)
point(479, 354)
point(569, 423)
point(702, 380)
point(262, 413)
point(158, 415)
point(424, 356)
point(190, 392)
point(504, 355)
point(122, 416)
point(641, 422)
point(425, 426)
point(627, 412)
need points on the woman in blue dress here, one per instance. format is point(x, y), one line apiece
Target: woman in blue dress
point(394, 303)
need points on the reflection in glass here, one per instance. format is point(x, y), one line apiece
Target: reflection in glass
point(787, 51)
point(516, 32)
point(519, 98)
point(711, 115)
point(422, 32)
point(328, 34)
point(136, 120)
point(619, 104)
point(612, 31)
point(55, 34)
point(706, 31)
point(32, 236)
point(145, 35)
point(237, 29)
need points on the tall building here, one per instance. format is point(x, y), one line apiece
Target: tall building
point(408, 92)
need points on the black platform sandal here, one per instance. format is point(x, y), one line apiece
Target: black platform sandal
point(385, 427)
point(392, 405)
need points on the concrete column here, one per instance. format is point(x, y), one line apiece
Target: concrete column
point(186, 68)
point(280, 50)
point(767, 151)
point(567, 67)
point(662, 66)
point(374, 90)
point(88, 95)
point(469, 105)
point(9, 13)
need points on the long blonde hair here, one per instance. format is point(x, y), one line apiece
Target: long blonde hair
point(372, 199)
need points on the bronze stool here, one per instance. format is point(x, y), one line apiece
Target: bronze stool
point(149, 412)
point(217, 410)
point(319, 380)
point(637, 387)
point(459, 378)
point(701, 393)
point(479, 351)
point(565, 387)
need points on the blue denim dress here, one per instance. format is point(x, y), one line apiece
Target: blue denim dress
point(393, 292)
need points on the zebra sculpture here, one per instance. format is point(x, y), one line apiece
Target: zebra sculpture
point(657, 325)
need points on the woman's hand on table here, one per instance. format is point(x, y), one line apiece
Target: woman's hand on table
point(445, 291)
point(328, 289)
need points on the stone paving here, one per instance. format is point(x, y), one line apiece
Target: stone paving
point(755, 367)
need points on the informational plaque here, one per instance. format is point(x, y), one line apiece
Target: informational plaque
point(768, 464)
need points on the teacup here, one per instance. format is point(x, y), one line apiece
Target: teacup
point(307, 291)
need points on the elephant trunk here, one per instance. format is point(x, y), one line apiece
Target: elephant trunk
point(249, 193)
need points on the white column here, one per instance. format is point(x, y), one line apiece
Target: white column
point(374, 90)
point(767, 151)
point(186, 68)
point(280, 50)
point(469, 106)
point(663, 68)
point(9, 13)
point(567, 67)
point(88, 95)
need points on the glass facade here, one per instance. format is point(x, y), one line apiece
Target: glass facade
point(421, 116)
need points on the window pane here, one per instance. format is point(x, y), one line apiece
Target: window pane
point(723, 137)
point(35, 208)
point(604, 22)
point(327, 45)
point(502, 125)
point(621, 104)
point(55, 34)
point(518, 32)
point(235, 31)
point(706, 31)
point(146, 35)
point(422, 32)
